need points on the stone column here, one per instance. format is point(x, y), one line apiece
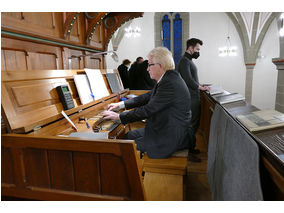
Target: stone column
point(249, 78)
point(279, 102)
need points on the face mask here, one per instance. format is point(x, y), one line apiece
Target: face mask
point(195, 55)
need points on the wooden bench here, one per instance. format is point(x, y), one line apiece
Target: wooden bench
point(164, 178)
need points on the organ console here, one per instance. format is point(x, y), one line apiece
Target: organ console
point(40, 161)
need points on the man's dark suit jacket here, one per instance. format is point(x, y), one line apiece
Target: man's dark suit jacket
point(168, 116)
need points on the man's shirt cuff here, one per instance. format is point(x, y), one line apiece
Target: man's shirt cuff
point(121, 105)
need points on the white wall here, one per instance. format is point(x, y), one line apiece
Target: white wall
point(230, 72)
point(265, 72)
point(131, 48)
point(212, 29)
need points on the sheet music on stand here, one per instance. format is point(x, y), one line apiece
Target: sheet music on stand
point(97, 83)
point(113, 82)
point(118, 77)
point(83, 88)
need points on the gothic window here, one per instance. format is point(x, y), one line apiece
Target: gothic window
point(172, 31)
point(177, 38)
point(166, 25)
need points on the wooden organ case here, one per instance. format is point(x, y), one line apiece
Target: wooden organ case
point(39, 160)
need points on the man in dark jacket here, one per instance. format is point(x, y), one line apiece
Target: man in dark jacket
point(123, 72)
point(188, 72)
point(133, 73)
point(165, 107)
point(143, 80)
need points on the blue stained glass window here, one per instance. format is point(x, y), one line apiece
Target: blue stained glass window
point(177, 38)
point(166, 26)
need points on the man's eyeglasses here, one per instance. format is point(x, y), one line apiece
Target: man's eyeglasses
point(149, 65)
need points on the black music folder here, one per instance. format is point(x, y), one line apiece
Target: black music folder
point(113, 81)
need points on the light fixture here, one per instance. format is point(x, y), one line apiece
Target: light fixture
point(281, 31)
point(132, 32)
point(112, 53)
point(260, 55)
point(228, 50)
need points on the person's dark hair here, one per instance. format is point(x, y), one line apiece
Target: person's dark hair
point(126, 62)
point(192, 42)
point(138, 59)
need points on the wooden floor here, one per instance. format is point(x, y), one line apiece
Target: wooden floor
point(197, 188)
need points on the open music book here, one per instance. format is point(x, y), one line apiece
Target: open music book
point(215, 89)
point(228, 98)
point(262, 119)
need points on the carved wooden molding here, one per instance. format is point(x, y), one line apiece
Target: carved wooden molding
point(118, 18)
point(93, 22)
point(69, 22)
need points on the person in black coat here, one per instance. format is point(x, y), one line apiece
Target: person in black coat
point(133, 73)
point(123, 72)
point(165, 107)
point(143, 80)
point(189, 73)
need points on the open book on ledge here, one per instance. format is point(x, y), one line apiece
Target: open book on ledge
point(215, 89)
point(228, 98)
point(262, 119)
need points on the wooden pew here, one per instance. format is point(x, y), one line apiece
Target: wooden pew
point(164, 178)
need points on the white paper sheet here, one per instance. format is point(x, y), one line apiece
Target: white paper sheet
point(83, 88)
point(97, 83)
point(69, 120)
point(90, 135)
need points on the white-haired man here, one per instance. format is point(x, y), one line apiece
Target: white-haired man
point(165, 107)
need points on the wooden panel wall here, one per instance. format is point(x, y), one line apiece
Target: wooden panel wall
point(45, 40)
point(26, 55)
point(75, 171)
point(49, 24)
point(22, 54)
